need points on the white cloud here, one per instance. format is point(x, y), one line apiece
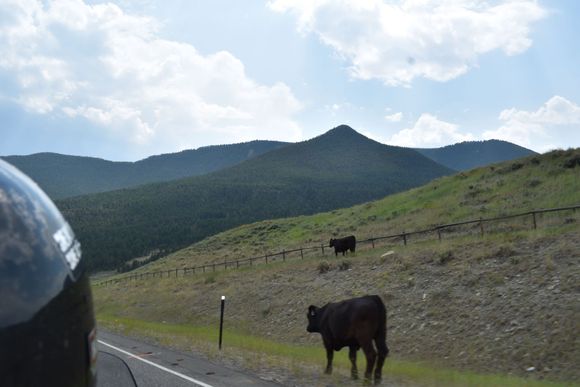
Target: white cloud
point(554, 122)
point(396, 43)
point(395, 117)
point(98, 63)
point(345, 109)
point(429, 132)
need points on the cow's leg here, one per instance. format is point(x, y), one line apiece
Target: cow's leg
point(383, 351)
point(371, 356)
point(329, 355)
point(352, 357)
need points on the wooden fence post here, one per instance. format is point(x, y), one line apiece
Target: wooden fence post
point(301, 253)
point(534, 217)
point(266, 256)
point(481, 225)
point(373, 242)
point(284, 254)
point(322, 246)
point(439, 233)
point(404, 238)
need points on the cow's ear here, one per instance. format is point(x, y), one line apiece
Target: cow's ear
point(312, 310)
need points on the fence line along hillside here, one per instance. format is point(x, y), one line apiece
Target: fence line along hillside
point(529, 220)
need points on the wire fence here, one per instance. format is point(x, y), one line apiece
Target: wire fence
point(527, 220)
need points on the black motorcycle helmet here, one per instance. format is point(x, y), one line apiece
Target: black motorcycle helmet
point(47, 325)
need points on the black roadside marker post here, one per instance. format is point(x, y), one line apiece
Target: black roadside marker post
point(222, 320)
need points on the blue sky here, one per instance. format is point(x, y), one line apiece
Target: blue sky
point(123, 80)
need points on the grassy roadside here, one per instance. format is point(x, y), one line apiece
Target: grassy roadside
point(497, 304)
point(300, 358)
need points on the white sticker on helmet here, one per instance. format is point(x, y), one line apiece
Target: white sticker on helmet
point(74, 255)
point(64, 237)
point(71, 248)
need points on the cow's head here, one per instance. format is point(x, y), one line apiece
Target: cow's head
point(313, 319)
point(331, 242)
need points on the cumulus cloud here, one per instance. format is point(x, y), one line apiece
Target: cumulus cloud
point(100, 64)
point(398, 42)
point(555, 124)
point(395, 117)
point(429, 132)
point(558, 118)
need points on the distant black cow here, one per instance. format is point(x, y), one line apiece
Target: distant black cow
point(341, 245)
point(353, 323)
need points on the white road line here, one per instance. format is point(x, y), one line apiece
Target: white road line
point(199, 383)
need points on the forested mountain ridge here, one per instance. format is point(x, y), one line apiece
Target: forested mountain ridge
point(471, 154)
point(62, 176)
point(338, 169)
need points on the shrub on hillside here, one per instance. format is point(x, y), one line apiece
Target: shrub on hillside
point(344, 265)
point(323, 267)
point(572, 161)
point(445, 257)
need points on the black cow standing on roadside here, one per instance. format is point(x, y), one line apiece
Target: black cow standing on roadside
point(353, 323)
point(341, 245)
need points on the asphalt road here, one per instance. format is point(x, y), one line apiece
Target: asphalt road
point(152, 365)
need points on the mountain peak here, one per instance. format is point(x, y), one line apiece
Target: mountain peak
point(341, 133)
point(342, 129)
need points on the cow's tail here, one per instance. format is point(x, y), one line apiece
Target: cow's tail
point(381, 337)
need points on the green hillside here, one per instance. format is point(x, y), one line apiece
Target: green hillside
point(464, 311)
point(62, 176)
point(471, 154)
point(337, 169)
point(535, 182)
